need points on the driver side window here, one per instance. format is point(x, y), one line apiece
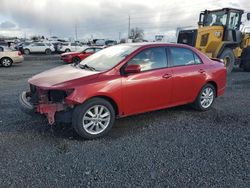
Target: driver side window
point(149, 59)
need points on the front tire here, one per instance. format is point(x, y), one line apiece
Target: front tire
point(205, 98)
point(94, 118)
point(229, 59)
point(76, 60)
point(67, 50)
point(6, 62)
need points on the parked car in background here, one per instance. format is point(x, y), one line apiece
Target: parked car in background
point(123, 80)
point(71, 47)
point(8, 57)
point(76, 57)
point(19, 46)
point(3, 46)
point(38, 47)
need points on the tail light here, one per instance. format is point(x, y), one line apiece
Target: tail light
point(19, 53)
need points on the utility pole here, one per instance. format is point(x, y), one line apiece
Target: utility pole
point(128, 26)
point(76, 31)
point(119, 36)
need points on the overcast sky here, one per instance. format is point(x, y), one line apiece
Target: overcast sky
point(103, 18)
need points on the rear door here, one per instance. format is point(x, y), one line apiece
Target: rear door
point(189, 74)
point(151, 88)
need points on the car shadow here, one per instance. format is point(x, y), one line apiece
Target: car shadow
point(122, 127)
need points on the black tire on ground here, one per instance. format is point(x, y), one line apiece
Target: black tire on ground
point(6, 62)
point(246, 66)
point(76, 60)
point(81, 110)
point(26, 51)
point(67, 50)
point(198, 102)
point(245, 59)
point(229, 59)
point(48, 51)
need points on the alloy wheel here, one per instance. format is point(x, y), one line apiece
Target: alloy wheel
point(96, 119)
point(6, 62)
point(207, 97)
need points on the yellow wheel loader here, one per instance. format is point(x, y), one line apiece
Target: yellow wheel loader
point(219, 36)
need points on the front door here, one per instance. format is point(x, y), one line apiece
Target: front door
point(151, 88)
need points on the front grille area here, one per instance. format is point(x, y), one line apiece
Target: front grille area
point(56, 95)
point(52, 96)
point(34, 99)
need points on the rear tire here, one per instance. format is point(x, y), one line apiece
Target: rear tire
point(6, 62)
point(229, 59)
point(246, 66)
point(47, 51)
point(205, 98)
point(94, 118)
point(26, 51)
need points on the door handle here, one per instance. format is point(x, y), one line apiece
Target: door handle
point(166, 76)
point(202, 71)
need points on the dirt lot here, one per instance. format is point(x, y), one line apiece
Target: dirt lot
point(176, 147)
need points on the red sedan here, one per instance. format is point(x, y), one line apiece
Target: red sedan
point(124, 80)
point(76, 57)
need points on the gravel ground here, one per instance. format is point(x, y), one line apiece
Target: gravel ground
point(175, 147)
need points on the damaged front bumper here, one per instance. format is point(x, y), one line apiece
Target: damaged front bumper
point(50, 110)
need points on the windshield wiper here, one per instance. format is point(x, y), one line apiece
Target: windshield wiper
point(85, 66)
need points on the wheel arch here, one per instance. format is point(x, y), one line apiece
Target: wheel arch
point(7, 58)
point(213, 83)
point(109, 99)
point(225, 45)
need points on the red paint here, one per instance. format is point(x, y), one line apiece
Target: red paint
point(69, 56)
point(133, 93)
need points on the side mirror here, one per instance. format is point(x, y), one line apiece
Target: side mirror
point(248, 16)
point(132, 69)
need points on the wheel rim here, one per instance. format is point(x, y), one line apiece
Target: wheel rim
point(6, 62)
point(96, 119)
point(207, 97)
point(26, 51)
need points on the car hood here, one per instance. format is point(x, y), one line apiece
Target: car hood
point(60, 75)
point(70, 53)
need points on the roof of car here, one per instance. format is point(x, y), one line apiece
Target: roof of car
point(141, 44)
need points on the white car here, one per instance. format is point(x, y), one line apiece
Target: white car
point(39, 47)
point(71, 47)
point(8, 57)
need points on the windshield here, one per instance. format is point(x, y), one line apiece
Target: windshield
point(109, 57)
point(216, 18)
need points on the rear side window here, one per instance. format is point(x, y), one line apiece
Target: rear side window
point(149, 59)
point(183, 56)
point(73, 44)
